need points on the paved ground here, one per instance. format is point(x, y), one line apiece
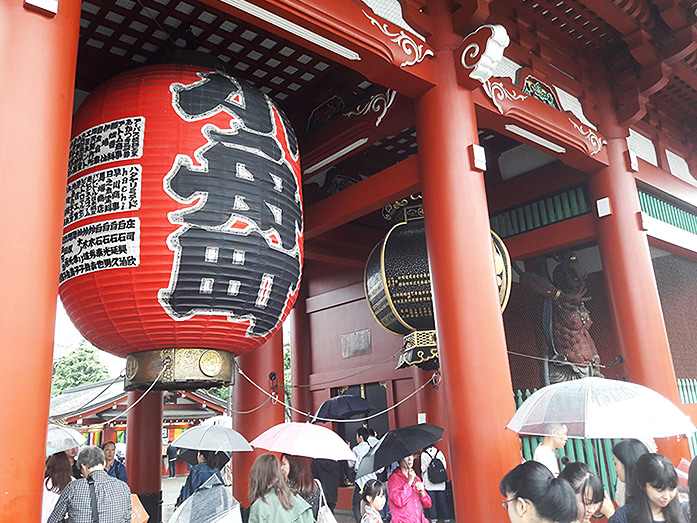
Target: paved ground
point(170, 491)
point(172, 486)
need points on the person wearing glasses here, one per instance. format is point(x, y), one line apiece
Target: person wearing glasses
point(534, 495)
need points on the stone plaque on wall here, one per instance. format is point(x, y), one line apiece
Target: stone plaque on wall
point(356, 344)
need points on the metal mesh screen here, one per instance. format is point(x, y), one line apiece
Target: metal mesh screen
point(548, 344)
point(676, 279)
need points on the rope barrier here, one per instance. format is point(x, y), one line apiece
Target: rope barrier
point(308, 415)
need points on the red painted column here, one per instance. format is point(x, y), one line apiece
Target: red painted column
point(109, 434)
point(257, 365)
point(39, 53)
point(629, 276)
point(144, 450)
point(300, 357)
point(476, 378)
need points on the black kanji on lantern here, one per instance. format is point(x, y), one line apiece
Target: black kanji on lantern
point(237, 252)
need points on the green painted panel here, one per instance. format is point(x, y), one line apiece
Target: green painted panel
point(535, 214)
point(668, 212)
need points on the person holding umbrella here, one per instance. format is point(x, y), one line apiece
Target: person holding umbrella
point(207, 467)
point(555, 438)
point(407, 494)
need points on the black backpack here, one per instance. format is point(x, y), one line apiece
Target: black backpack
point(436, 469)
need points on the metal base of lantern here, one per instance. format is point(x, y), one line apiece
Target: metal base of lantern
point(420, 349)
point(184, 369)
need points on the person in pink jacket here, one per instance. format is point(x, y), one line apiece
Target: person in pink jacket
point(407, 494)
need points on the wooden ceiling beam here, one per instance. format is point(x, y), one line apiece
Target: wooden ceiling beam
point(348, 33)
point(344, 255)
point(384, 113)
point(360, 199)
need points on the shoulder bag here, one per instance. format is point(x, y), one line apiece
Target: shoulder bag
point(325, 514)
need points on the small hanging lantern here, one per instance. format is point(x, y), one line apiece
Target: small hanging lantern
point(398, 283)
point(183, 231)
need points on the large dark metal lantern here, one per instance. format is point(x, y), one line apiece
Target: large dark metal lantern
point(183, 231)
point(398, 283)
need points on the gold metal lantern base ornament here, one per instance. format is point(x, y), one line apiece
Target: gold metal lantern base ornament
point(421, 349)
point(179, 369)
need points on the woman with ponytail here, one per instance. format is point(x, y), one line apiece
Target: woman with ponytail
point(534, 495)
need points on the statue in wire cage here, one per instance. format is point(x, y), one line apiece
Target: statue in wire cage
point(566, 322)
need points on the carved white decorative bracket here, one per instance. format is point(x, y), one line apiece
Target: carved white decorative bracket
point(378, 103)
point(595, 141)
point(481, 53)
point(405, 41)
point(498, 92)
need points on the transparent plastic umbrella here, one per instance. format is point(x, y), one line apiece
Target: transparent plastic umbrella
point(62, 437)
point(601, 408)
point(211, 503)
point(217, 438)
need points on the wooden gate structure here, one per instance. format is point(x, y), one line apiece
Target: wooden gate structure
point(566, 124)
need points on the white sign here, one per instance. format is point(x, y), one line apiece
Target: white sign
point(99, 246)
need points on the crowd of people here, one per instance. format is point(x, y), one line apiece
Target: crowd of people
point(72, 480)
point(293, 489)
point(647, 487)
point(84, 490)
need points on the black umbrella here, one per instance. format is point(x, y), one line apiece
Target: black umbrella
point(191, 457)
point(343, 407)
point(398, 444)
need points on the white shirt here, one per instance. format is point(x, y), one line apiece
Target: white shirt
point(547, 457)
point(49, 500)
point(425, 461)
point(359, 451)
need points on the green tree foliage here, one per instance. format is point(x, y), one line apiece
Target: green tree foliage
point(219, 392)
point(80, 367)
point(286, 379)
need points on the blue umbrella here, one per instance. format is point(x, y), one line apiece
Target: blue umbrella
point(343, 407)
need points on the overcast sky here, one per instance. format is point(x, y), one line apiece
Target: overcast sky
point(67, 337)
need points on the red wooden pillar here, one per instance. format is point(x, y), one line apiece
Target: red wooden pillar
point(144, 450)
point(109, 434)
point(476, 378)
point(629, 276)
point(257, 365)
point(300, 356)
point(39, 52)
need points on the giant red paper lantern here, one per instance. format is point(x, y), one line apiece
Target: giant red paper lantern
point(183, 231)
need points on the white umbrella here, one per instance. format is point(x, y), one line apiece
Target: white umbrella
point(62, 437)
point(304, 439)
point(225, 421)
point(601, 408)
point(212, 437)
